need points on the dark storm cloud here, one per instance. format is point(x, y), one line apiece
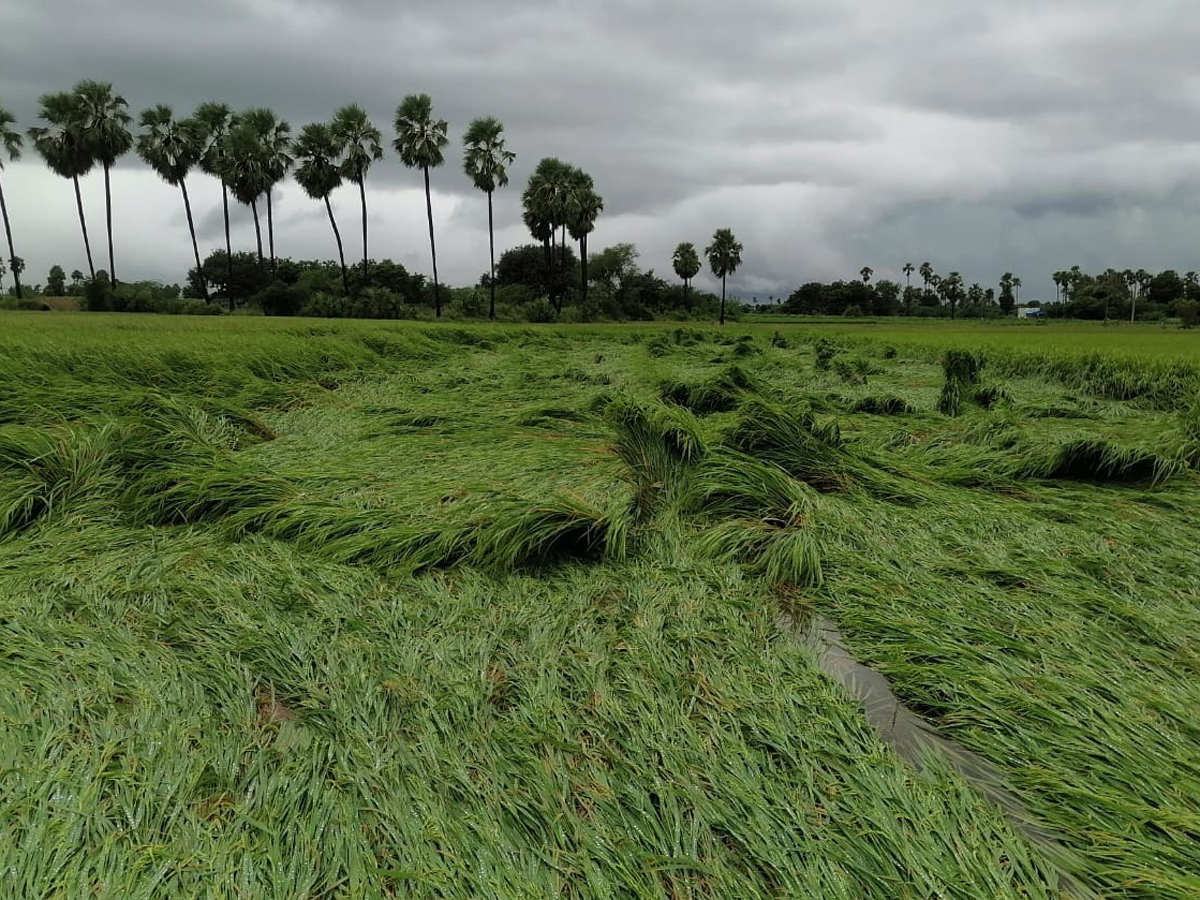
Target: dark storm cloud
point(984, 137)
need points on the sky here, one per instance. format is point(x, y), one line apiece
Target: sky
point(1008, 135)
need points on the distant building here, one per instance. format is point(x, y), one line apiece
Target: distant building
point(1030, 312)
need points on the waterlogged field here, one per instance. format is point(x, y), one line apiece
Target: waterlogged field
point(313, 609)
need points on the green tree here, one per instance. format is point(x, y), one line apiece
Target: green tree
point(105, 122)
point(486, 159)
point(686, 263)
point(951, 289)
point(926, 271)
point(10, 146)
point(214, 121)
point(319, 175)
point(243, 168)
point(171, 147)
point(724, 256)
point(908, 268)
point(1016, 283)
point(420, 140)
point(1006, 293)
point(583, 207)
point(61, 144)
point(866, 272)
point(361, 144)
point(544, 205)
point(274, 151)
point(56, 282)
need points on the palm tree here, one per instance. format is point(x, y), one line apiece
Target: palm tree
point(1143, 281)
point(214, 122)
point(724, 256)
point(420, 139)
point(686, 263)
point(243, 169)
point(951, 289)
point(486, 159)
point(908, 269)
point(10, 144)
point(1016, 285)
point(61, 145)
point(274, 147)
point(171, 147)
point(866, 272)
point(105, 122)
point(362, 145)
point(544, 203)
point(583, 207)
point(318, 174)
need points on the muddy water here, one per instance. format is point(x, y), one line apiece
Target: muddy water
point(918, 743)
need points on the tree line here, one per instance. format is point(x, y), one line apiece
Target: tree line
point(251, 152)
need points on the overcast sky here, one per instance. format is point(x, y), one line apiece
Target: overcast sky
point(1022, 135)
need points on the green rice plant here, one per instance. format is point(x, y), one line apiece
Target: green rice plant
point(564, 528)
point(855, 369)
point(795, 441)
point(1093, 459)
point(779, 341)
point(729, 484)
point(720, 394)
point(657, 444)
point(882, 406)
point(961, 369)
point(787, 556)
point(825, 351)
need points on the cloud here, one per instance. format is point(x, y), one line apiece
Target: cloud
point(1016, 135)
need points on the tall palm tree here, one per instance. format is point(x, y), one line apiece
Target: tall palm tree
point(486, 159)
point(951, 288)
point(1143, 281)
point(171, 147)
point(686, 263)
point(724, 256)
point(420, 139)
point(10, 146)
point(105, 121)
point(243, 169)
point(274, 147)
point(866, 272)
point(362, 144)
point(544, 203)
point(583, 207)
point(908, 269)
point(319, 175)
point(1016, 284)
point(214, 121)
point(61, 144)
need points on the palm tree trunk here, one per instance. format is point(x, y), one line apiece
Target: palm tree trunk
point(228, 246)
point(685, 289)
point(87, 245)
point(722, 299)
point(12, 254)
point(187, 205)
point(112, 266)
point(270, 233)
point(257, 231)
point(362, 193)
point(492, 257)
point(583, 265)
point(341, 255)
point(437, 294)
point(548, 247)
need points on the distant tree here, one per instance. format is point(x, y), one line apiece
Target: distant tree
point(583, 207)
point(274, 151)
point(420, 140)
point(951, 289)
point(105, 120)
point(614, 264)
point(1006, 293)
point(486, 159)
point(686, 263)
point(1016, 283)
point(214, 121)
point(887, 297)
point(318, 174)
point(171, 148)
point(76, 278)
point(249, 276)
point(910, 294)
point(18, 266)
point(56, 282)
point(908, 268)
point(361, 144)
point(544, 205)
point(926, 275)
point(866, 272)
point(724, 256)
point(98, 293)
point(10, 146)
point(61, 144)
point(243, 167)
